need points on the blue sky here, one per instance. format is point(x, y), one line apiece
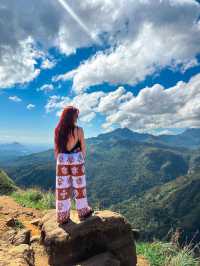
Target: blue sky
point(137, 68)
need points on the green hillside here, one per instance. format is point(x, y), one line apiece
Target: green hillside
point(6, 184)
point(120, 170)
point(154, 185)
point(116, 170)
point(167, 207)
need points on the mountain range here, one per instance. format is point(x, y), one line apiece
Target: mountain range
point(153, 180)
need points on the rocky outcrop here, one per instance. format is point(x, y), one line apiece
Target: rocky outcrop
point(106, 238)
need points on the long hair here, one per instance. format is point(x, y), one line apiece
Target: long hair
point(64, 129)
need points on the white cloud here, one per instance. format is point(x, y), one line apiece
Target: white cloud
point(135, 59)
point(46, 88)
point(143, 35)
point(15, 99)
point(157, 107)
point(87, 103)
point(56, 103)
point(154, 108)
point(18, 66)
point(113, 99)
point(30, 106)
point(48, 64)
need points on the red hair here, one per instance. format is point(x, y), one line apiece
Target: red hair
point(64, 128)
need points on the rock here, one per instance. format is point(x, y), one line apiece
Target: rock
point(22, 237)
point(9, 235)
point(28, 213)
point(35, 239)
point(104, 259)
point(35, 222)
point(103, 232)
point(10, 222)
point(22, 255)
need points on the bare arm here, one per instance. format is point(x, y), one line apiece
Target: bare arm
point(82, 140)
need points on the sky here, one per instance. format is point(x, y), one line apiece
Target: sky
point(131, 63)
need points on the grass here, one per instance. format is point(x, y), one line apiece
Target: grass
point(36, 198)
point(19, 224)
point(185, 257)
point(167, 254)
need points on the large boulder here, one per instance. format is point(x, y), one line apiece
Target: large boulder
point(106, 237)
point(101, 259)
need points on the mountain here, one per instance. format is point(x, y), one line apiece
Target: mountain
point(11, 151)
point(150, 181)
point(6, 183)
point(122, 134)
point(14, 146)
point(163, 208)
point(188, 139)
point(36, 169)
point(115, 169)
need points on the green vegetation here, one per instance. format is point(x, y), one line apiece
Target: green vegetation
point(110, 166)
point(167, 254)
point(164, 208)
point(6, 184)
point(36, 198)
point(19, 224)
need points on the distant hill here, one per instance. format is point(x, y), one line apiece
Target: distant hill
point(6, 183)
point(12, 146)
point(188, 139)
point(10, 151)
point(13, 150)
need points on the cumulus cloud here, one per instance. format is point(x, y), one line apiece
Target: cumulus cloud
point(46, 88)
point(143, 36)
point(18, 66)
point(48, 25)
point(157, 107)
point(153, 108)
point(30, 106)
point(158, 36)
point(111, 101)
point(56, 102)
point(15, 99)
point(87, 104)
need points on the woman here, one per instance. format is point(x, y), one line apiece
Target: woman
point(70, 153)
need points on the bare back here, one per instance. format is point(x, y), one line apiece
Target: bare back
point(72, 141)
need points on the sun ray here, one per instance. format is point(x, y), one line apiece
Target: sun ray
point(71, 12)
